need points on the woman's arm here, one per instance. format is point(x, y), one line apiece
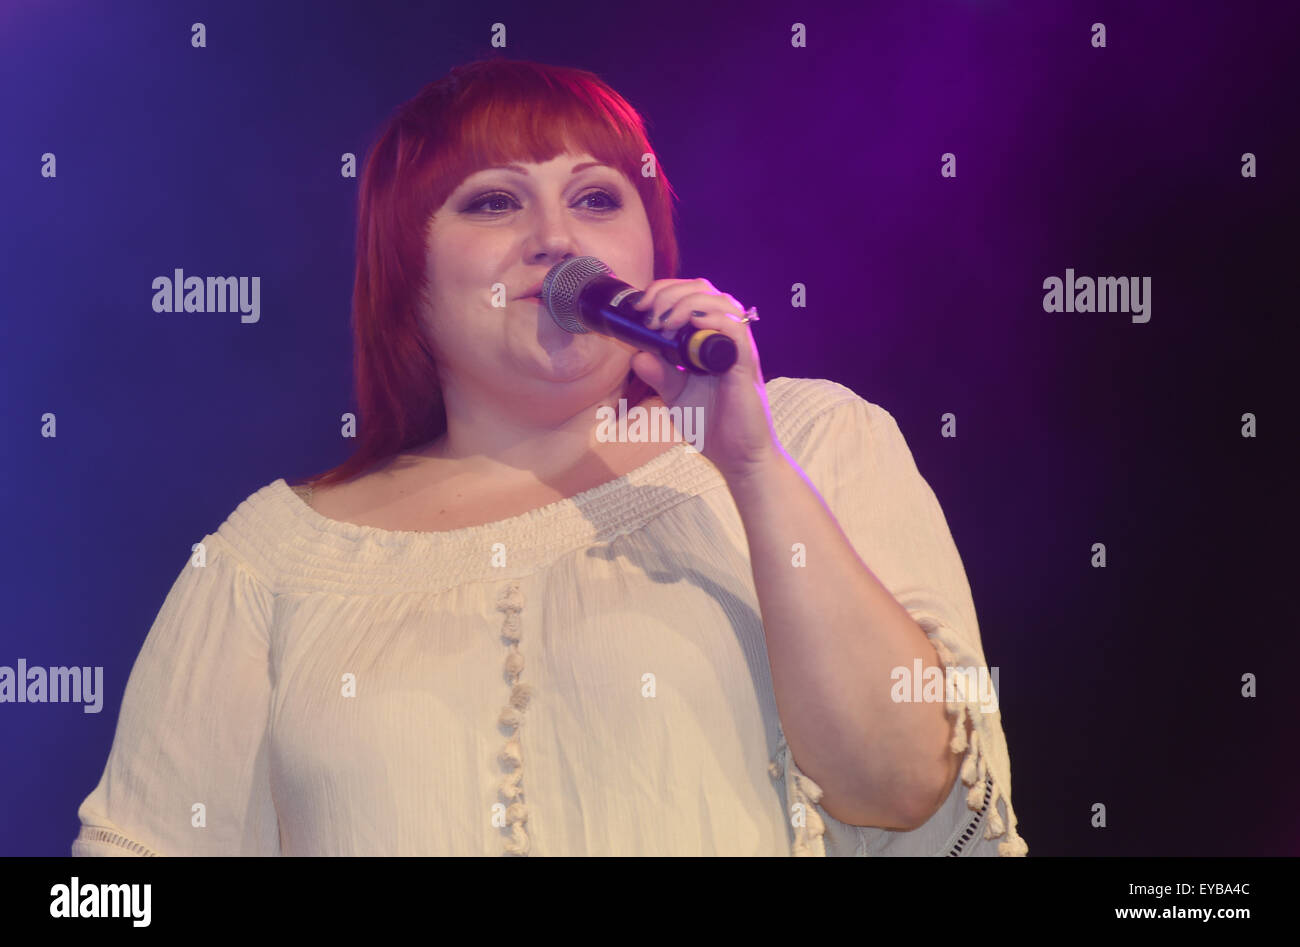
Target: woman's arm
point(188, 771)
point(834, 635)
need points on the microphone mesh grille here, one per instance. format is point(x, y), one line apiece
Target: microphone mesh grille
point(562, 286)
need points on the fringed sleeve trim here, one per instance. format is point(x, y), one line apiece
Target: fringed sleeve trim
point(512, 716)
point(104, 836)
point(985, 768)
point(801, 798)
point(961, 839)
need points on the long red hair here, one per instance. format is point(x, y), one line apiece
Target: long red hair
point(480, 114)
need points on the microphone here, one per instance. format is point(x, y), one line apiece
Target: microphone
point(582, 295)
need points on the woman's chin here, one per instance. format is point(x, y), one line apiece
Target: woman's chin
point(574, 357)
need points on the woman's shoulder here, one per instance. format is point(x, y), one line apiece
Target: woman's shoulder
point(331, 499)
point(797, 402)
point(280, 513)
point(288, 535)
point(345, 500)
point(377, 498)
point(815, 392)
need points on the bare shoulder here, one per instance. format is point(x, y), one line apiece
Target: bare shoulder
point(404, 494)
point(342, 501)
point(423, 494)
point(332, 499)
point(323, 498)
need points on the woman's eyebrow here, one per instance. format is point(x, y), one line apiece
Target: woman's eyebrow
point(519, 169)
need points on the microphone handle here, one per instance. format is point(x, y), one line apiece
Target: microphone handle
point(701, 351)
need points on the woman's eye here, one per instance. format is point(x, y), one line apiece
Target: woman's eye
point(489, 198)
point(612, 203)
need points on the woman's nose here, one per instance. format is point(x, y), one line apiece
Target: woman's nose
point(552, 237)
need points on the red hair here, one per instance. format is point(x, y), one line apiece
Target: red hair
point(480, 114)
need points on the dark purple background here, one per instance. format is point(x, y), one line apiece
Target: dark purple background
point(820, 165)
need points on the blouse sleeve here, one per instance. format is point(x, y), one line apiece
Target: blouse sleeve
point(187, 773)
point(856, 456)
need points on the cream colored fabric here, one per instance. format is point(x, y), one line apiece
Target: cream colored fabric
point(588, 678)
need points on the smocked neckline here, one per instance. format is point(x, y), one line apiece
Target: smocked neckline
point(530, 518)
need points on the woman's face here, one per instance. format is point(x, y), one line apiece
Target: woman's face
point(493, 241)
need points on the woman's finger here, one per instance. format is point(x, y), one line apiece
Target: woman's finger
point(664, 295)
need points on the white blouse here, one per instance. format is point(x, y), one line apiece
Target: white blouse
point(587, 678)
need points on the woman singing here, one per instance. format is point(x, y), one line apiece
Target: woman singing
point(495, 629)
